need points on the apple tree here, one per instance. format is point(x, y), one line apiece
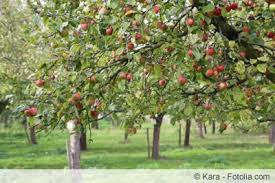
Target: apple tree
point(144, 57)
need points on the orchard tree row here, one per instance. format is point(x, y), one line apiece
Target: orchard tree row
point(198, 59)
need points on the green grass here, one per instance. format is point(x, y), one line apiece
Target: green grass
point(106, 150)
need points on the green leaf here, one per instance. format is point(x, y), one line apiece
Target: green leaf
point(157, 71)
point(264, 58)
point(188, 110)
point(240, 68)
point(262, 68)
point(208, 8)
point(75, 48)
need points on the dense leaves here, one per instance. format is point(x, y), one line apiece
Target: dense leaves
point(188, 59)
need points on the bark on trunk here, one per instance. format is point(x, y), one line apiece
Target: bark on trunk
point(25, 126)
point(200, 129)
point(148, 142)
point(272, 136)
point(180, 135)
point(156, 137)
point(32, 135)
point(74, 151)
point(205, 129)
point(6, 119)
point(213, 127)
point(126, 134)
point(83, 139)
point(187, 133)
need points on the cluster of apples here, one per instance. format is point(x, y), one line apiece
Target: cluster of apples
point(76, 101)
point(207, 105)
point(182, 80)
point(214, 71)
point(126, 76)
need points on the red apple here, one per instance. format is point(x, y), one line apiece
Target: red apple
point(190, 53)
point(162, 26)
point(130, 46)
point(129, 77)
point(138, 36)
point(249, 2)
point(40, 82)
point(204, 37)
point(190, 22)
point(92, 79)
point(220, 68)
point(243, 54)
point(182, 80)
point(76, 96)
point(215, 72)
point(246, 29)
point(234, 6)
point(222, 85)
point(203, 23)
point(162, 82)
point(109, 31)
point(94, 114)
point(31, 112)
point(217, 11)
point(84, 26)
point(270, 34)
point(79, 106)
point(209, 72)
point(156, 9)
point(210, 51)
point(208, 106)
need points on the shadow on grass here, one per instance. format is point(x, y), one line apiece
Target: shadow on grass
point(226, 146)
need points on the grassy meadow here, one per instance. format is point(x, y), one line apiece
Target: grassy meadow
point(107, 150)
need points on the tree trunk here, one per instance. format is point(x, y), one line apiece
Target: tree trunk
point(213, 127)
point(148, 142)
point(180, 135)
point(25, 126)
point(6, 119)
point(272, 136)
point(200, 129)
point(83, 139)
point(74, 151)
point(126, 134)
point(156, 136)
point(187, 133)
point(205, 129)
point(32, 135)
